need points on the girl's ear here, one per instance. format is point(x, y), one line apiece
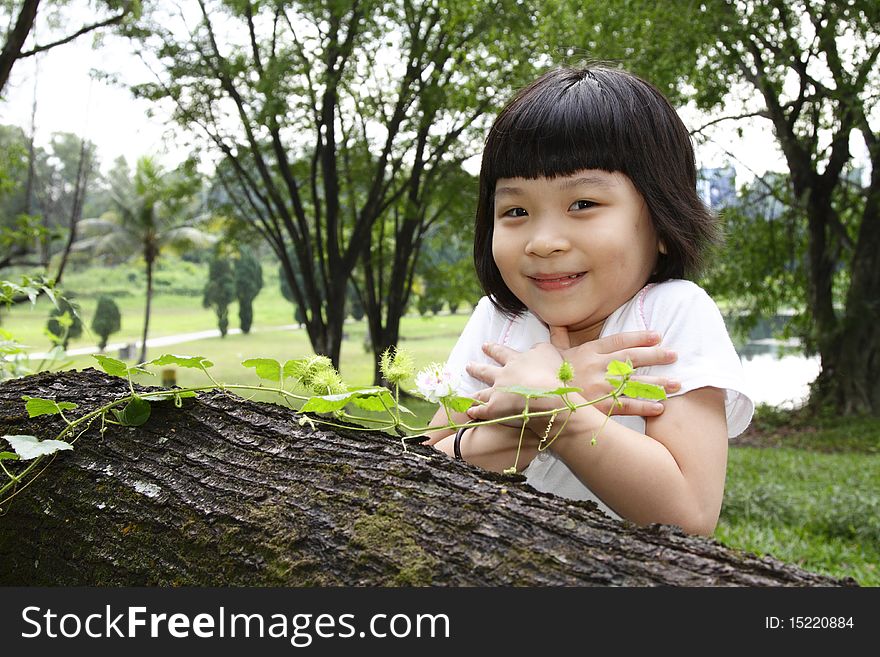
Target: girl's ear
point(662, 247)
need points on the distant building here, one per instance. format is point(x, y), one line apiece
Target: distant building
point(717, 186)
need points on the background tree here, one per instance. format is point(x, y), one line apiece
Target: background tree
point(332, 102)
point(812, 67)
point(220, 290)
point(22, 16)
point(107, 320)
point(41, 197)
point(65, 322)
point(248, 283)
point(149, 217)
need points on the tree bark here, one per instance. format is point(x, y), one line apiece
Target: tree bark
point(230, 492)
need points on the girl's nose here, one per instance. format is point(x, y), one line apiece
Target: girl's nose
point(547, 241)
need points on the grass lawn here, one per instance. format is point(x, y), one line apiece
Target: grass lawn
point(805, 490)
point(818, 510)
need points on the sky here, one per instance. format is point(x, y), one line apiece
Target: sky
point(68, 99)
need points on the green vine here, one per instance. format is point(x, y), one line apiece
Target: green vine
point(328, 400)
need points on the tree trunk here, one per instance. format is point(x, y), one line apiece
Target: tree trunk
point(16, 38)
point(229, 492)
point(149, 257)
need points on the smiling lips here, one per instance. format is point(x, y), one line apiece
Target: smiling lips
point(559, 281)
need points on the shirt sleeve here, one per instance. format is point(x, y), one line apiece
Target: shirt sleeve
point(692, 326)
point(470, 346)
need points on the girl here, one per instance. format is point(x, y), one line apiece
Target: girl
point(587, 223)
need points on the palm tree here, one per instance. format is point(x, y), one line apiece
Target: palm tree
point(146, 221)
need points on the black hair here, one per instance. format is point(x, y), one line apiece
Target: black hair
point(597, 117)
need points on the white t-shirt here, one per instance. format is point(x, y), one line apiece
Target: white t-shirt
point(680, 311)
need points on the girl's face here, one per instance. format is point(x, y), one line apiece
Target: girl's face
point(573, 249)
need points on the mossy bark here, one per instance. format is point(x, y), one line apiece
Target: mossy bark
point(229, 492)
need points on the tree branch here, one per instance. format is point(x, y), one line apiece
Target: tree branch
point(113, 20)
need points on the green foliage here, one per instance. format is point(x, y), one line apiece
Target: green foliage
point(115, 367)
point(266, 368)
point(65, 322)
point(28, 448)
point(220, 291)
point(107, 320)
point(30, 287)
point(248, 283)
point(152, 214)
point(36, 406)
point(192, 362)
point(134, 414)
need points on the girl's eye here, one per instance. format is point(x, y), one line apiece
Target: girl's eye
point(582, 205)
point(515, 212)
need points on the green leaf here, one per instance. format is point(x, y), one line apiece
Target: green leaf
point(404, 409)
point(37, 406)
point(9, 456)
point(31, 447)
point(619, 368)
point(135, 413)
point(369, 399)
point(266, 368)
point(194, 362)
point(111, 365)
point(377, 400)
point(564, 390)
point(538, 392)
point(643, 390)
point(327, 403)
point(459, 404)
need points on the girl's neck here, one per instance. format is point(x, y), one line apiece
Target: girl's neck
point(585, 334)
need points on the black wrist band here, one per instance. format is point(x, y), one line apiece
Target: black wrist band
point(456, 446)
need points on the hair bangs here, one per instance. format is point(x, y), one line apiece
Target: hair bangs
point(575, 127)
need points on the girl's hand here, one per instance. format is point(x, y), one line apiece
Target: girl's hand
point(535, 368)
point(591, 359)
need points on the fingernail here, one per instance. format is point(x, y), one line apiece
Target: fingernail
point(673, 385)
point(658, 408)
point(654, 336)
point(671, 354)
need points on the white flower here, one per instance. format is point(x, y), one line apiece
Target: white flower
point(436, 382)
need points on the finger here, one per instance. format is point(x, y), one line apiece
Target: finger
point(669, 385)
point(559, 337)
point(628, 340)
point(645, 356)
point(498, 352)
point(638, 407)
point(479, 412)
point(482, 395)
point(483, 372)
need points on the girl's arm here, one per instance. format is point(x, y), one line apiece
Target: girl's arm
point(672, 474)
point(492, 447)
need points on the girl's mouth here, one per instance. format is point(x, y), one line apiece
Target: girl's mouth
point(556, 281)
